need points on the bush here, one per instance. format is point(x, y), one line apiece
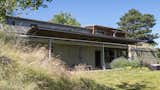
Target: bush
point(123, 62)
point(135, 63)
point(120, 63)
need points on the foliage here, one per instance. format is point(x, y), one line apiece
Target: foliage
point(123, 62)
point(64, 83)
point(138, 25)
point(28, 68)
point(65, 18)
point(120, 63)
point(12, 77)
point(7, 7)
point(7, 37)
point(135, 63)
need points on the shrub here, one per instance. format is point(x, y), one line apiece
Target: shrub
point(135, 63)
point(123, 62)
point(120, 63)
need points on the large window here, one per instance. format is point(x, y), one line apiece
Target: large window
point(101, 32)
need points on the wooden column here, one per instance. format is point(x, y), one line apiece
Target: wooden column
point(50, 48)
point(103, 58)
point(114, 34)
point(129, 53)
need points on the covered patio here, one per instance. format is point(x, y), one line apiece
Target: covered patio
point(94, 53)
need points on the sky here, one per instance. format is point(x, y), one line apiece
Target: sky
point(98, 12)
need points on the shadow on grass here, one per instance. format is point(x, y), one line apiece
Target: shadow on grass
point(134, 86)
point(66, 84)
point(87, 84)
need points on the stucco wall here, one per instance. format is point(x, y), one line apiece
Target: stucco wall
point(143, 53)
point(74, 54)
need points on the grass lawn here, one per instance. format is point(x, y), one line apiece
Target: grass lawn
point(125, 79)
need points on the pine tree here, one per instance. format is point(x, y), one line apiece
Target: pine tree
point(138, 25)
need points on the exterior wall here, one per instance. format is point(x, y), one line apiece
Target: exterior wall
point(143, 53)
point(74, 54)
point(79, 54)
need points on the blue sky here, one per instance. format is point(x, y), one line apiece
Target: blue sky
point(101, 12)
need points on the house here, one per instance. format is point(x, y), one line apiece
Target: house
point(95, 45)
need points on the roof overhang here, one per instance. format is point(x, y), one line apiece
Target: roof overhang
point(40, 31)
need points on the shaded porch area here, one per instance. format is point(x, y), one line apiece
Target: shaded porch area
point(73, 52)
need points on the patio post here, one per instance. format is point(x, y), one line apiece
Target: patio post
point(50, 49)
point(103, 58)
point(129, 53)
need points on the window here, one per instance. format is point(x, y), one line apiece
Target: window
point(99, 32)
point(33, 26)
point(13, 23)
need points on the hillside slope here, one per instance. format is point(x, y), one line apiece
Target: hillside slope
point(26, 68)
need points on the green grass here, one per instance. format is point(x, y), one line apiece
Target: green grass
point(125, 79)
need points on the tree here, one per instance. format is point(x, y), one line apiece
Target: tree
point(65, 18)
point(138, 25)
point(7, 7)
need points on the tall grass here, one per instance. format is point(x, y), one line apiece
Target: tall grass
point(28, 68)
point(21, 61)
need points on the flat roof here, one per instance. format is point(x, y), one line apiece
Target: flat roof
point(46, 22)
point(51, 23)
point(89, 35)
